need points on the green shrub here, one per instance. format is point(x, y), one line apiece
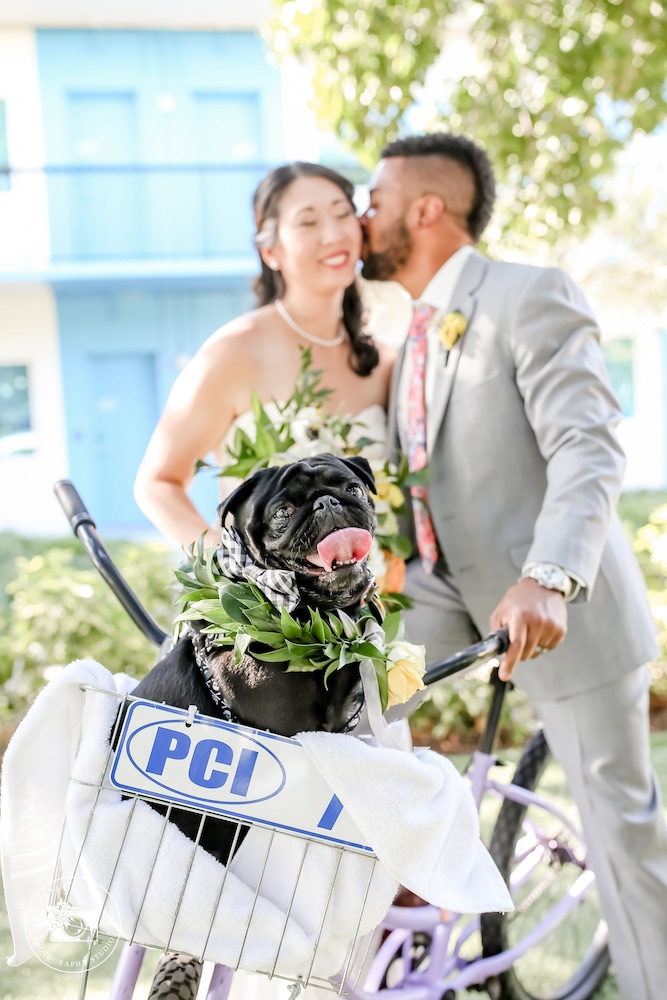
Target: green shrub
point(57, 609)
point(650, 544)
point(454, 715)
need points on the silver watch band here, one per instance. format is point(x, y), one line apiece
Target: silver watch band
point(553, 577)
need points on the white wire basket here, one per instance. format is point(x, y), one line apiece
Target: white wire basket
point(299, 899)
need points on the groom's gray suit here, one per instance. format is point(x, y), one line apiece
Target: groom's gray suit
point(525, 468)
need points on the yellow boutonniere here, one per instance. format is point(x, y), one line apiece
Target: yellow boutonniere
point(454, 325)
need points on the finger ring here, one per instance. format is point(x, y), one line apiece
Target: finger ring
point(541, 649)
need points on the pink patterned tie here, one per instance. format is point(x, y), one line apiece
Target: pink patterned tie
point(417, 454)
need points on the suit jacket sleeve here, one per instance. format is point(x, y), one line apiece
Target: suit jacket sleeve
point(569, 403)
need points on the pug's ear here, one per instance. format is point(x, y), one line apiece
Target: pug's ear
point(361, 467)
point(242, 492)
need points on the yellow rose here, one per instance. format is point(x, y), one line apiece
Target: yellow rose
point(453, 326)
point(406, 664)
point(389, 492)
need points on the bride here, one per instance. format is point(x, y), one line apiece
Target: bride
point(309, 241)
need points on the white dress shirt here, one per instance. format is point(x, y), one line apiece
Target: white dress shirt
point(437, 293)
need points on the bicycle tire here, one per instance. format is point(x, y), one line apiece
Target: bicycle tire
point(571, 962)
point(177, 978)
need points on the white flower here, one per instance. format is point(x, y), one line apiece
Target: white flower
point(311, 434)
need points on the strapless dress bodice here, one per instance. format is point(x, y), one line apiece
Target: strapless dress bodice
point(370, 423)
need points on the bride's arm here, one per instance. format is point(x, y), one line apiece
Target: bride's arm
point(201, 406)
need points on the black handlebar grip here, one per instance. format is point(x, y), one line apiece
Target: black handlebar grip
point(74, 507)
point(503, 637)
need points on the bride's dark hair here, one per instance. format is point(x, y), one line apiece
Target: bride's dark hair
point(269, 284)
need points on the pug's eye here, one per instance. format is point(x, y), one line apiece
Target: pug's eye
point(283, 513)
point(356, 490)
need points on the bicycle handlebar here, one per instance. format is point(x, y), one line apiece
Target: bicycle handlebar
point(85, 530)
point(494, 644)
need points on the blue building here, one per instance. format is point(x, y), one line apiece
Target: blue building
point(125, 240)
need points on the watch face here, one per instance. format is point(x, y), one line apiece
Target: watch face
point(552, 577)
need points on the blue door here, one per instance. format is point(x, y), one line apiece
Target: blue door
point(105, 203)
point(124, 413)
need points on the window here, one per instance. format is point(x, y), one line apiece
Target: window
point(16, 433)
point(4, 151)
point(619, 356)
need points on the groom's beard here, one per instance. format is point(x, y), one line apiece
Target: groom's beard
point(383, 265)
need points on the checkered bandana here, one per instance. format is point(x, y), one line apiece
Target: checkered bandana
point(235, 562)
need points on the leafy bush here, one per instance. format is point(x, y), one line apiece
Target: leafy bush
point(56, 608)
point(645, 517)
point(454, 715)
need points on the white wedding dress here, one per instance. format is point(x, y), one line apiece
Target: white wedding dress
point(369, 423)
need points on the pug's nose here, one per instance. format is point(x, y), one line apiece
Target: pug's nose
point(327, 503)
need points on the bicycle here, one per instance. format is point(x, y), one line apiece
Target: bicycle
point(421, 952)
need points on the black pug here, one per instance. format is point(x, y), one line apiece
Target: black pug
point(316, 518)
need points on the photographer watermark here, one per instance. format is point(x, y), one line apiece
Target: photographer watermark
point(72, 924)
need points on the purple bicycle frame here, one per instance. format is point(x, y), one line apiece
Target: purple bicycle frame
point(451, 971)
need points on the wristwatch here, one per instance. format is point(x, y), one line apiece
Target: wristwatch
point(552, 577)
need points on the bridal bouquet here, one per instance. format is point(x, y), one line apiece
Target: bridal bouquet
point(302, 428)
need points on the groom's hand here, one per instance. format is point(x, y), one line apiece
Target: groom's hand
point(536, 619)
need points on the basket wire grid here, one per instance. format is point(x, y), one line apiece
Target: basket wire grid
point(64, 906)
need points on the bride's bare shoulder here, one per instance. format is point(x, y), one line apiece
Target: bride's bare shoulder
point(239, 340)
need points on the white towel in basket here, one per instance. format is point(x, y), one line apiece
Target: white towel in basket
point(39, 801)
point(418, 814)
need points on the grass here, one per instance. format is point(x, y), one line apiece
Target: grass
point(35, 981)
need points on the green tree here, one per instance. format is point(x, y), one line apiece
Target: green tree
point(552, 88)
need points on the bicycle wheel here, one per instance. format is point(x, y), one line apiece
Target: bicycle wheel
point(542, 859)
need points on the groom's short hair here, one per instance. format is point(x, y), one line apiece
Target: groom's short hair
point(468, 155)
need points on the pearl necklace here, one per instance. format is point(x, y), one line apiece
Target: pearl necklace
point(280, 308)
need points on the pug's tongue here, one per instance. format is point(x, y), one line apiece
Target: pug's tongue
point(343, 546)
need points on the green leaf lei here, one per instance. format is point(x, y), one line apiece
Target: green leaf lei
point(238, 616)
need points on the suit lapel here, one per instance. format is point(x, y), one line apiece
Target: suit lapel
point(463, 300)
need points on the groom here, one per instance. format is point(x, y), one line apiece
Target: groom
point(502, 391)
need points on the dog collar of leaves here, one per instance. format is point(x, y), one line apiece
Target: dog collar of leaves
point(239, 616)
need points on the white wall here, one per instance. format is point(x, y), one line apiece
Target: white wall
point(24, 228)
point(643, 435)
point(193, 14)
point(29, 336)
